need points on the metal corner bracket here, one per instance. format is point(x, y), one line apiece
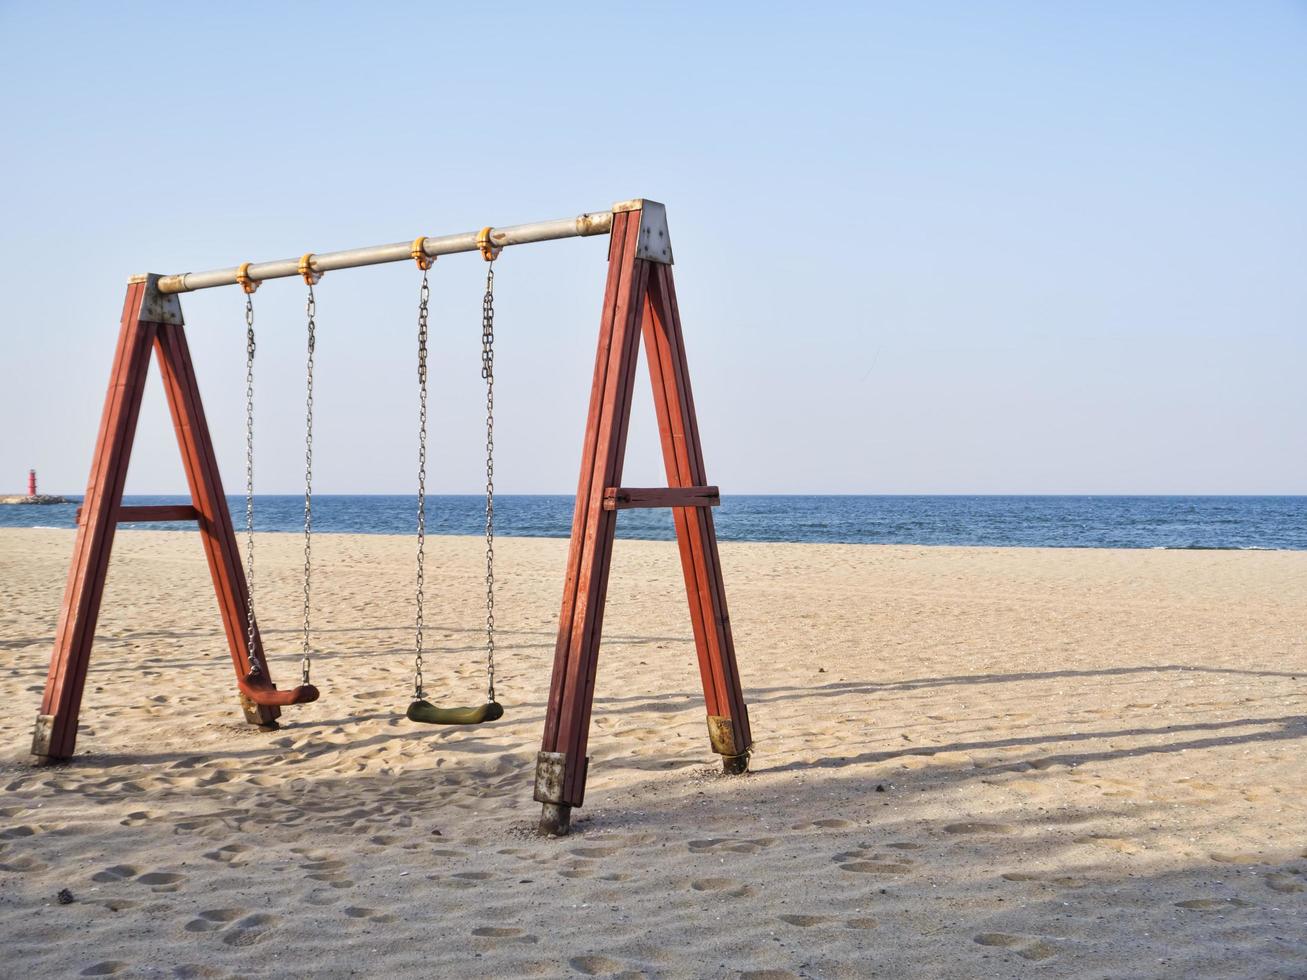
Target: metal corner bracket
point(158, 307)
point(655, 243)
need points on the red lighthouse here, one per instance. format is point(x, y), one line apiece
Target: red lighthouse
point(31, 483)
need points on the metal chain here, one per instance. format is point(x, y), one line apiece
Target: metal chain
point(488, 373)
point(423, 297)
point(311, 309)
point(249, 483)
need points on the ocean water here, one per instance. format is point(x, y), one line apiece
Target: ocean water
point(1003, 521)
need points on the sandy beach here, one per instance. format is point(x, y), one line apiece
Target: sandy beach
point(968, 763)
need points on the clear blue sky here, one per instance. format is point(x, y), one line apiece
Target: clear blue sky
point(920, 247)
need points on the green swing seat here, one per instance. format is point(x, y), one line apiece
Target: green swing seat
point(426, 712)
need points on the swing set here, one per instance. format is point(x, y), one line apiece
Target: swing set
point(639, 301)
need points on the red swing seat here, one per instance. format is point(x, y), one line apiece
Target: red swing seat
point(257, 688)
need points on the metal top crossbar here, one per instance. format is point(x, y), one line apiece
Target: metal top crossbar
point(654, 245)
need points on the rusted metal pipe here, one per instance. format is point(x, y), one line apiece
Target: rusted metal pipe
point(590, 223)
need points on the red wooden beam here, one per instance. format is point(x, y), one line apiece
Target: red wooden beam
point(728, 717)
point(567, 720)
point(165, 512)
point(56, 725)
point(628, 498)
point(152, 513)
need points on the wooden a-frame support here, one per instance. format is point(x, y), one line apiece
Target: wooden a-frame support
point(640, 300)
point(151, 321)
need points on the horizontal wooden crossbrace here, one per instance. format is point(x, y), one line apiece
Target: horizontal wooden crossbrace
point(626, 498)
point(161, 512)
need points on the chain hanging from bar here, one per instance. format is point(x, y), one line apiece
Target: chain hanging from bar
point(311, 311)
point(424, 295)
point(249, 482)
point(488, 373)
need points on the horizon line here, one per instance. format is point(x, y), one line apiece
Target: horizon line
point(764, 493)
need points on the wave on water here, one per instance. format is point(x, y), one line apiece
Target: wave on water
point(1213, 547)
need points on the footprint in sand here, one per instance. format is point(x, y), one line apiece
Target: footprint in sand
point(119, 872)
point(1226, 857)
point(137, 819)
point(979, 827)
point(1023, 946)
point(1047, 763)
point(162, 881)
point(195, 971)
point(198, 823)
point(229, 854)
point(1212, 904)
point(876, 867)
point(507, 933)
point(250, 930)
point(325, 864)
point(328, 871)
point(1286, 884)
point(804, 921)
point(13, 833)
point(860, 923)
point(371, 915)
point(595, 852)
point(1119, 844)
point(725, 886)
point(828, 823)
point(863, 861)
point(107, 968)
point(213, 920)
point(24, 863)
point(1026, 787)
point(734, 845)
point(596, 966)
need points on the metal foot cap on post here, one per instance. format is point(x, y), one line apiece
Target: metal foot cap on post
point(721, 732)
point(735, 765)
point(555, 820)
point(555, 815)
point(42, 739)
